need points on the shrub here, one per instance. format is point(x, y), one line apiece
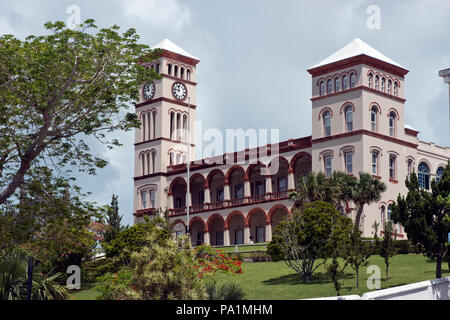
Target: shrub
point(225, 291)
point(97, 268)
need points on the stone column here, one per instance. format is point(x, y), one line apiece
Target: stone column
point(170, 201)
point(226, 237)
point(268, 232)
point(247, 192)
point(247, 234)
point(268, 186)
point(206, 237)
point(226, 191)
point(291, 179)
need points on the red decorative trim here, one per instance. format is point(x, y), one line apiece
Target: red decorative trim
point(393, 181)
point(353, 61)
point(323, 110)
point(205, 227)
point(164, 99)
point(165, 75)
point(346, 104)
point(395, 111)
point(195, 175)
point(272, 211)
point(179, 57)
point(233, 168)
point(231, 215)
point(177, 222)
point(378, 106)
point(252, 212)
point(212, 217)
point(298, 156)
point(213, 173)
point(175, 181)
point(361, 87)
point(164, 139)
point(376, 177)
point(411, 132)
point(366, 132)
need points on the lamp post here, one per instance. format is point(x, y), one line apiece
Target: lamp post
point(445, 74)
point(188, 167)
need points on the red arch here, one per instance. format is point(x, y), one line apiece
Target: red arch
point(231, 215)
point(253, 165)
point(233, 168)
point(175, 181)
point(346, 104)
point(298, 156)
point(205, 227)
point(275, 208)
point(212, 217)
point(177, 222)
point(195, 175)
point(395, 111)
point(212, 174)
point(253, 212)
point(323, 110)
point(377, 105)
point(280, 159)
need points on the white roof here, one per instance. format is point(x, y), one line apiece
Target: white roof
point(168, 45)
point(353, 49)
point(407, 126)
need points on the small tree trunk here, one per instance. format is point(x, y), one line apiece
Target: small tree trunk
point(357, 277)
point(387, 271)
point(358, 216)
point(439, 266)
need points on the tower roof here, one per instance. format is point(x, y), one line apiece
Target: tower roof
point(168, 45)
point(355, 48)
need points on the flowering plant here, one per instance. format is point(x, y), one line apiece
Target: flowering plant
point(209, 260)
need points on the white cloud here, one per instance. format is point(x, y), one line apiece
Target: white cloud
point(158, 13)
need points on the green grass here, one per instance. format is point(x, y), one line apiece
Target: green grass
point(241, 248)
point(275, 281)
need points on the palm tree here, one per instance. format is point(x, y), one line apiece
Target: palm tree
point(366, 190)
point(318, 187)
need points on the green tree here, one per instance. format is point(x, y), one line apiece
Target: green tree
point(309, 236)
point(358, 252)
point(163, 271)
point(62, 87)
point(386, 246)
point(366, 191)
point(426, 216)
point(113, 219)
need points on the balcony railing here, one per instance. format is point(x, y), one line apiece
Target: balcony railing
point(279, 195)
point(236, 202)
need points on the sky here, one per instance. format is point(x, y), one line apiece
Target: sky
point(253, 60)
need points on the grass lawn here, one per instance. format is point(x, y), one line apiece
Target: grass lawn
point(275, 281)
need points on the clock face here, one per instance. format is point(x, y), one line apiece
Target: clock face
point(148, 91)
point(179, 91)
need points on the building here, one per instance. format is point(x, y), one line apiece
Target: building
point(358, 124)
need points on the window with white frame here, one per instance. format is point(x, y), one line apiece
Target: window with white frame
point(373, 118)
point(344, 82)
point(336, 85)
point(144, 200)
point(439, 173)
point(322, 88)
point(375, 155)
point(383, 83)
point(389, 87)
point(327, 165)
point(392, 164)
point(349, 162)
point(349, 118)
point(395, 88)
point(352, 80)
point(377, 81)
point(410, 168)
point(424, 176)
point(392, 117)
point(327, 123)
point(370, 80)
point(329, 87)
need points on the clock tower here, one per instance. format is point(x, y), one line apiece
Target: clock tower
point(164, 109)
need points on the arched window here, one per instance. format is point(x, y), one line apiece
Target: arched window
point(178, 135)
point(344, 82)
point(383, 83)
point(352, 80)
point(178, 158)
point(329, 87)
point(172, 158)
point(322, 88)
point(327, 123)
point(143, 164)
point(172, 125)
point(375, 162)
point(383, 215)
point(377, 80)
point(153, 124)
point(424, 176)
point(175, 69)
point(169, 69)
point(327, 165)
point(349, 118)
point(144, 126)
point(395, 88)
point(336, 85)
point(373, 118)
point(185, 133)
point(370, 80)
point(410, 168)
point(392, 117)
point(157, 68)
point(153, 157)
point(389, 87)
point(188, 74)
point(184, 157)
point(389, 211)
point(439, 173)
point(182, 73)
point(392, 165)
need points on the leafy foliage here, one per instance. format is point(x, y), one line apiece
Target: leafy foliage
point(426, 216)
point(113, 220)
point(59, 88)
point(358, 252)
point(386, 247)
point(224, 291)
point(309, 236)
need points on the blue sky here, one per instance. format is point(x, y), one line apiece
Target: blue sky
point(254, 55)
